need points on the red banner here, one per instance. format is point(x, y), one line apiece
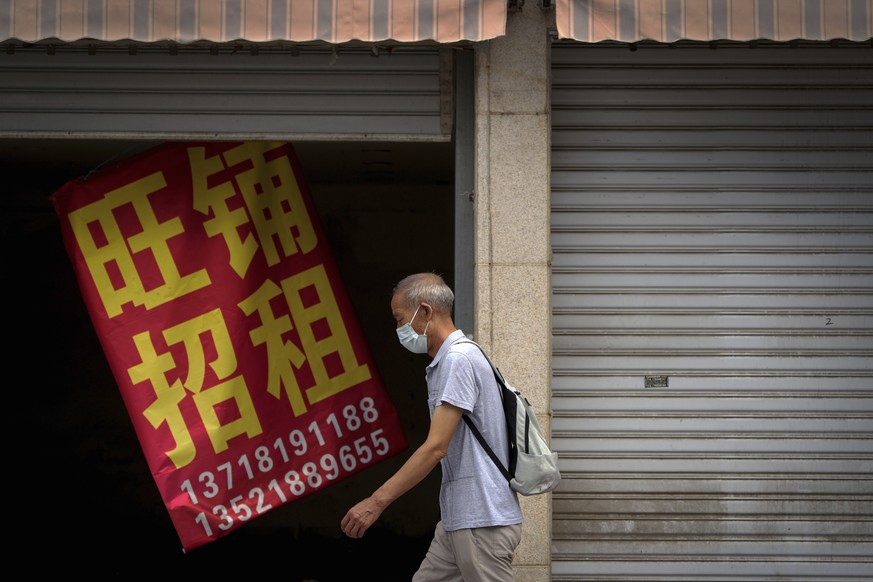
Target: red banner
point(223, 317)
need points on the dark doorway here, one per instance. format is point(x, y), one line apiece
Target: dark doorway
point(87, 496)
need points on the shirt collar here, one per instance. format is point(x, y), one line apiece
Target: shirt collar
point(453, 337)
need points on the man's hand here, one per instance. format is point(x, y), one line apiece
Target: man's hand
point(445, 420)
point(360, 517)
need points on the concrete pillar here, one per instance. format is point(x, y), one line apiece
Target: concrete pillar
point(513, 251)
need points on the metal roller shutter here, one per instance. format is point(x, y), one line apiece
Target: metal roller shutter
point(712, 236)
point(149, 92)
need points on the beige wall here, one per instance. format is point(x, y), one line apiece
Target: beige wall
point(513, 252)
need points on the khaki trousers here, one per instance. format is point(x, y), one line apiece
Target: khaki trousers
point(482, 554)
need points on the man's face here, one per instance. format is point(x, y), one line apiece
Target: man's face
point(402, 313)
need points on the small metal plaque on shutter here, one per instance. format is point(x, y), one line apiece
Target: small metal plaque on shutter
point(656, 381)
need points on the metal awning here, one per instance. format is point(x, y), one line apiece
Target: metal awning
point(708, 20)
point(186, 21)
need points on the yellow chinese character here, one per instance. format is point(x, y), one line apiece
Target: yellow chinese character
point(191, 334)
point(224, 221)
point(332, 342)
point(113, 252)
point(274, 201)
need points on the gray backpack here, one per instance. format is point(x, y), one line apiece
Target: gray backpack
point(533, 467)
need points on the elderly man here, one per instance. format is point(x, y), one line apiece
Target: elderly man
point(480, 516)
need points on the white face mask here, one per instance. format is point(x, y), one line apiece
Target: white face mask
point(409, 339)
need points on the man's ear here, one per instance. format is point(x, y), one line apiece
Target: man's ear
point(427, 309)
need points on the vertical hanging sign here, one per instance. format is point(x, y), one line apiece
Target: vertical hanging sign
point(230, 335)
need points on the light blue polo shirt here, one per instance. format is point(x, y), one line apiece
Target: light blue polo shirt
point(473, 492)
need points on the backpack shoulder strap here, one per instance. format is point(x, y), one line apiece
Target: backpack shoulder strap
point(485, 446)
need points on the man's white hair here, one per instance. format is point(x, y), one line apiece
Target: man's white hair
point(426, 288)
